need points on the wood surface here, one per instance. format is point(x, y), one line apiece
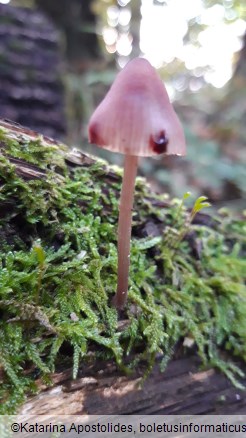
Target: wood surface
point(102, 390)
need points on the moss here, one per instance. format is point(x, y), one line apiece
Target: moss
point(58, 255)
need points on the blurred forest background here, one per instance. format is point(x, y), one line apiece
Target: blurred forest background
point(59, 57)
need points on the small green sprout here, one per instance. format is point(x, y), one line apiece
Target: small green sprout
point(199, 205)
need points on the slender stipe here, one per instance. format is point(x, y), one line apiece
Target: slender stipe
point(124, 228)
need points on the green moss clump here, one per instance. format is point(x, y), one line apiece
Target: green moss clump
point(58, 261)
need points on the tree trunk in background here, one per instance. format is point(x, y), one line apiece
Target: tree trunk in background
point(229, 119)
point(30, 71)
point(240, 70)
point(77, 22)
point(76, 19)
point(135, 26)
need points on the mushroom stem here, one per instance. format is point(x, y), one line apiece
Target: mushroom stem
point(124, 229)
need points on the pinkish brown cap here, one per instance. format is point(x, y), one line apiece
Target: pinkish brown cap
point(136, 116)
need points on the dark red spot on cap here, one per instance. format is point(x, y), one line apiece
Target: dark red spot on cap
point(159, 143)
point(94, 135)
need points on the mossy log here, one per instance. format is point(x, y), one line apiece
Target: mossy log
point(178, 347)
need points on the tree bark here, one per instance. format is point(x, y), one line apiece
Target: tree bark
point(32, 91)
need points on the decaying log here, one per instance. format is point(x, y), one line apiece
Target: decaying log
point(101, 388)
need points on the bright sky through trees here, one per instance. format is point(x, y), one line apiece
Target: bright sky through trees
point(163, 27)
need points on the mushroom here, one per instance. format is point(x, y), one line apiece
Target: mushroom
point(136, 119)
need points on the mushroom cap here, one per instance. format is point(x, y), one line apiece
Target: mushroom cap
point(136, 116)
